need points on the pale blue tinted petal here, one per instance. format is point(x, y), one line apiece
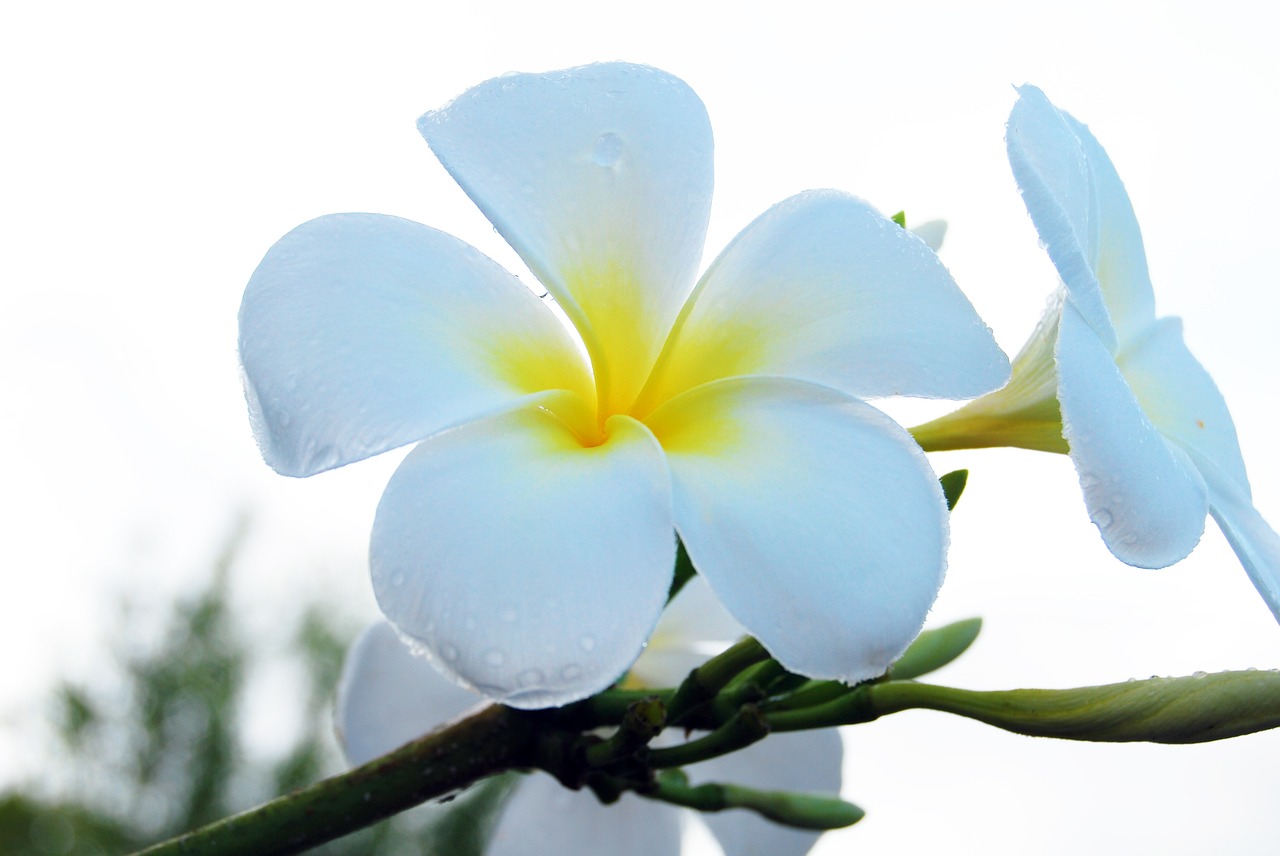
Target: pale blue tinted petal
point(544, 818)
point(1052, 172)
point(1121, 261)
point(387, 696)
point(1143, 492)
point(600, 177)
point(932, 232)
point(694, 627)
point(1180, 398)
point(800, 761)
point(814, 517)
point(527, 566)
point(361, 332)
point(1256, 544)
point(822, 288)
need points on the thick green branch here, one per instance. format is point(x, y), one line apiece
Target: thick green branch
point(490, 741)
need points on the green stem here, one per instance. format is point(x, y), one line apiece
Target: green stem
point(801, 811)
point(704, 682)
point(490, 741)
point(742, 730)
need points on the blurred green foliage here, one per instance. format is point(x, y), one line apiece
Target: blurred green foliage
point(161, 752)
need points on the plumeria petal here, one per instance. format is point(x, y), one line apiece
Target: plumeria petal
point(1120, 263)
point(1256, 544)
point(932, 232)
point(1181, 400)
point(695, 626)
point(361, 332)
point(1052, 173)
point(544, 818)
point(822, 288)
point(526, 565)
point(600, 177)
point(1143, 492)
point(387, 696)
point(814, 517)
point(802, 761)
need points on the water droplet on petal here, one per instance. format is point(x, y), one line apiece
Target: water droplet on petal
point(397, 579)
point(608, 149)
point(450, 652)
point(1103, 518)
point(588, 643)
point(530, 678)
point(1088, 480)
point(570, 673)
point(494, 657)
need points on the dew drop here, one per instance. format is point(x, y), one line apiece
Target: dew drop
point(1199, 674)
point(530, 678)
point(397, 579)
point(494, 657)
point(570, 673)
point(450, 652)
point(1103, 518)
point(588, 643)
point(1088, 480)
point(608, 149)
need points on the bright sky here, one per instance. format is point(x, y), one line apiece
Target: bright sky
point(153, 152)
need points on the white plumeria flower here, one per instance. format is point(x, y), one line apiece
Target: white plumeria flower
point(388, 697)
point(527, 543)
point(1149, 433)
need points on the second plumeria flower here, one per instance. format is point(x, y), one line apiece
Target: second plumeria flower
point(527, 543)
point(1105, 379)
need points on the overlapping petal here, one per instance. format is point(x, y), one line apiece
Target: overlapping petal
point(1143, 493)
point(549, 820)
point(1181, 400)
point(797, 761)
point(814, 517)
point(529, 567)
point(1053, 174)
point(361, 332)
point(823, 288)
point(600, 177)
point(388, 696)
point(1256, 544)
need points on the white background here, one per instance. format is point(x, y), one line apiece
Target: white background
point(152, 152)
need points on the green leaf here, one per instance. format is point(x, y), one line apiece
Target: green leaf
point(953, 486)
point(900, 218)
point(934, 649)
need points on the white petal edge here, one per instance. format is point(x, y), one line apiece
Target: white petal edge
point(361, 332)
point(600, 178)
point(543, 818)
point(802, 761)
point(387, 696)
point(1121, 260)
point(1053, 175)
point(1256, 544)
point(815, 518)
point(823, 288)
point(526, 566)
point(1181, 399)
point(1142, 492)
